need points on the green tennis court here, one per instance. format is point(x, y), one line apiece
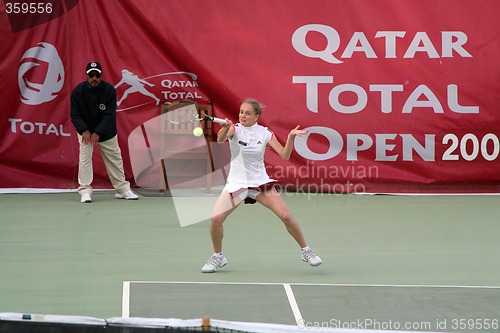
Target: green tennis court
point(405, 259)
point(416, 307)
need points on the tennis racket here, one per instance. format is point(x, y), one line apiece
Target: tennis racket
point(186, 111)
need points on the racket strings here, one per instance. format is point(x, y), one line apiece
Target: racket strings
point(182, 116)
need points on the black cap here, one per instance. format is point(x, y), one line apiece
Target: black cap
point(93, 66)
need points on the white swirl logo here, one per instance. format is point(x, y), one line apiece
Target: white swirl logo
point(37, 93)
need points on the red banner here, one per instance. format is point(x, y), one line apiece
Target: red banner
point(397, 95)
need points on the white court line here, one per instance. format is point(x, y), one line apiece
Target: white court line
point(288, 289)
point(126, 300)
point(394, 285)
point(293, 304)
point(324, 284)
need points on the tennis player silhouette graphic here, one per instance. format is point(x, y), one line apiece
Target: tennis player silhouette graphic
point(136, 85)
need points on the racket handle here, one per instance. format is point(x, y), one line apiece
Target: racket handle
point(217, 120)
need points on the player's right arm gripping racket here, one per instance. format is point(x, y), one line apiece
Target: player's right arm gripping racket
point(187, 111)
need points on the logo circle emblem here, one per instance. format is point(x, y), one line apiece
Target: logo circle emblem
point(51, 75)
point(102, 107)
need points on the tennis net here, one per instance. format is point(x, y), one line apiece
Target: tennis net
point(37, 323)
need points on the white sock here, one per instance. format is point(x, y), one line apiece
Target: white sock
point(304, 249)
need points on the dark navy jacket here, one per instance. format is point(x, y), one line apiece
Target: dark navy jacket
point(94, 109)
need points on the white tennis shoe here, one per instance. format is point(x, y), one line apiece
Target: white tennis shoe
point(216, 261)
point(86, 198)
point(309, 256)
point(129, 195)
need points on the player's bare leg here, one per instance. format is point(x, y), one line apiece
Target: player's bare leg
point(273, 200)
point(224, 206)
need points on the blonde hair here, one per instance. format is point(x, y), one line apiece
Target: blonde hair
point(256, 105)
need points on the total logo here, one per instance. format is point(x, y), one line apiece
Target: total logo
point(40, 78)
point(41, 62)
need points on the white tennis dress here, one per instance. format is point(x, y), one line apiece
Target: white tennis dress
point(248, 146)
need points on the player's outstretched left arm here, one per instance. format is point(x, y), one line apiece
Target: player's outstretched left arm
point(286, 151)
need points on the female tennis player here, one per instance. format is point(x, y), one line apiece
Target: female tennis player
point(249, 182)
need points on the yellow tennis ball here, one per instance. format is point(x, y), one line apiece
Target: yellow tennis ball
point(198, 131)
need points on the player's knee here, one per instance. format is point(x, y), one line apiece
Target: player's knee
point(217, 220)
point(286, 217)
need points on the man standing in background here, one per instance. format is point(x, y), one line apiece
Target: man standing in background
point(93, 113)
